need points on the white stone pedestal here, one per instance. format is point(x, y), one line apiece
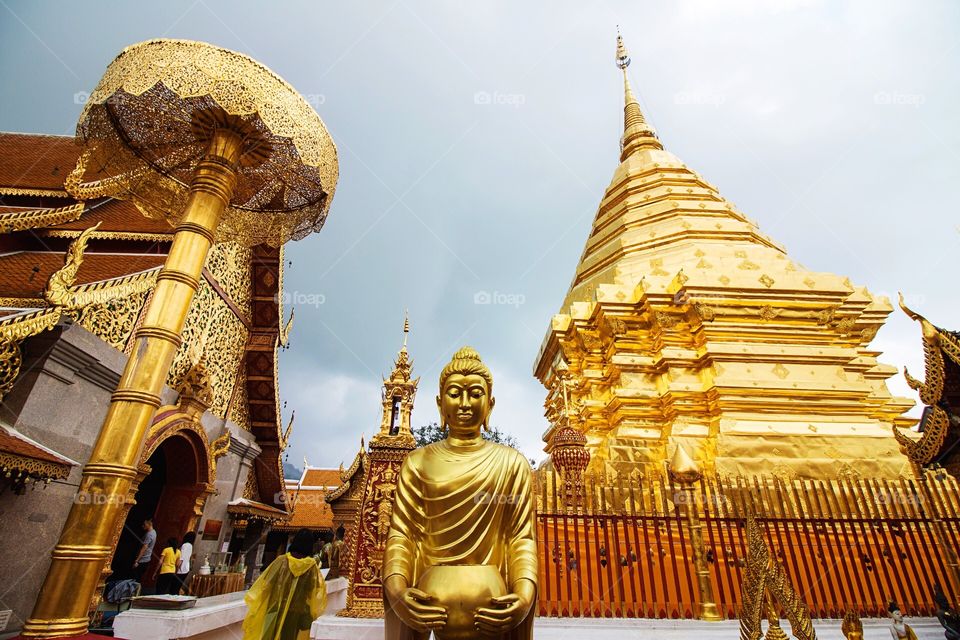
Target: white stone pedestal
point(211, 619)
point(333, 628)
point(336, 595)
point(214, 618)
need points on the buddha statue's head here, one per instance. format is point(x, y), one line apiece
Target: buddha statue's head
point(466, 394)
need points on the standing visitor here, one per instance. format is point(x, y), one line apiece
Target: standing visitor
point(334, 555)
point(183, 568)
point(169, 557)
point(145, 555)
point(287, 597)
point(323, 557)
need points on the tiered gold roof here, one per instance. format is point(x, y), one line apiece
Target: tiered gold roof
point(685, 323)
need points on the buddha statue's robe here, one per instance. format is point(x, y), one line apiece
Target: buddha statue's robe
point(463, 505)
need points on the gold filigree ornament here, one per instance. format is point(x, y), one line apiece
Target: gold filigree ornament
point(766, 583)
point(23, 220)
point(13, 329)
point(219, 448)
point(62, 297)
point(148, 122)
point(852, 627)
point(936, 421)
point(60, 292)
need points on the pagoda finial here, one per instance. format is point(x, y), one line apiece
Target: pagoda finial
point(406, 326)
point(682, 467)
point(637, 134)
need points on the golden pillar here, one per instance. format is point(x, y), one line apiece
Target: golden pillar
point(227, 150)
point(685, 471)
point(84, 545)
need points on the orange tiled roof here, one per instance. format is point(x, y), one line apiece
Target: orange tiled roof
point(18, 278)
point(19, 445)
point(321, 478)
point(33, 161)
point(310, 509)
point(117, 215)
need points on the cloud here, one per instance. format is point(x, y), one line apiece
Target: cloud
point(441, 196)
point(334, 410)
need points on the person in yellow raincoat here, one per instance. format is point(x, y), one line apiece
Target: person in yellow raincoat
point(287, 597)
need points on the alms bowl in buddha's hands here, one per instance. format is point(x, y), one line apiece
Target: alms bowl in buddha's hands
point(462, 589)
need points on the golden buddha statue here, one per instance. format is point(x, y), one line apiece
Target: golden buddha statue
point(461, 555)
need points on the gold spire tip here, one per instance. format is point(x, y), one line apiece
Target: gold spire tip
point(623, 58)
point(406, 326)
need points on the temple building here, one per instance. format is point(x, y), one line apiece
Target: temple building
point(363, 503)
point(685, 323)
point(74, 279)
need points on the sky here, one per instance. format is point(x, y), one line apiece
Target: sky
point(476, 140)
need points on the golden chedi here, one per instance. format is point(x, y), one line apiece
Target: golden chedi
point(461, 555)
point(684, 323)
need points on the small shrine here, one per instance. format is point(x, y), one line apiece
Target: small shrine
point(363, 503)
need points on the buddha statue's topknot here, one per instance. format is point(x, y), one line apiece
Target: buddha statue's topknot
point(466, 362)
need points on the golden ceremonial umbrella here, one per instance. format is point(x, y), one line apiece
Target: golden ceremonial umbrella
point(224, 149)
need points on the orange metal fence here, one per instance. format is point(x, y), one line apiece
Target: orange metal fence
point(622, 548)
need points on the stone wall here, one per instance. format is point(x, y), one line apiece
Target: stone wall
point(60, 400)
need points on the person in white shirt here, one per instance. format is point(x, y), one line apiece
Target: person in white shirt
point(183, 566)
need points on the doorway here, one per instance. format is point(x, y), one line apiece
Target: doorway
point(168, 495)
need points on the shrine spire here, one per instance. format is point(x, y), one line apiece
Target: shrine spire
point(637, 133)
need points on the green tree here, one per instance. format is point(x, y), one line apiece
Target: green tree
point(432, 432)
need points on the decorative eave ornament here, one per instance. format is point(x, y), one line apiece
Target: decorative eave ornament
point(936, 421)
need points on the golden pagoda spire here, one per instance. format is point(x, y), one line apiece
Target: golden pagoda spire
point(671, 265)
point(637, 133)
point(399, 390)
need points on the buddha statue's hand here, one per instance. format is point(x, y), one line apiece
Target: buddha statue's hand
point(412, 606)
point(508, 611)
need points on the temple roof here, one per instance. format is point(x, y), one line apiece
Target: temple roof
point(39, 219)
point(306, 499)
point(14, 442)
point(36, 161)
point(22, 457)
point(24, 274)
point(320, 478)
point(251, 509)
